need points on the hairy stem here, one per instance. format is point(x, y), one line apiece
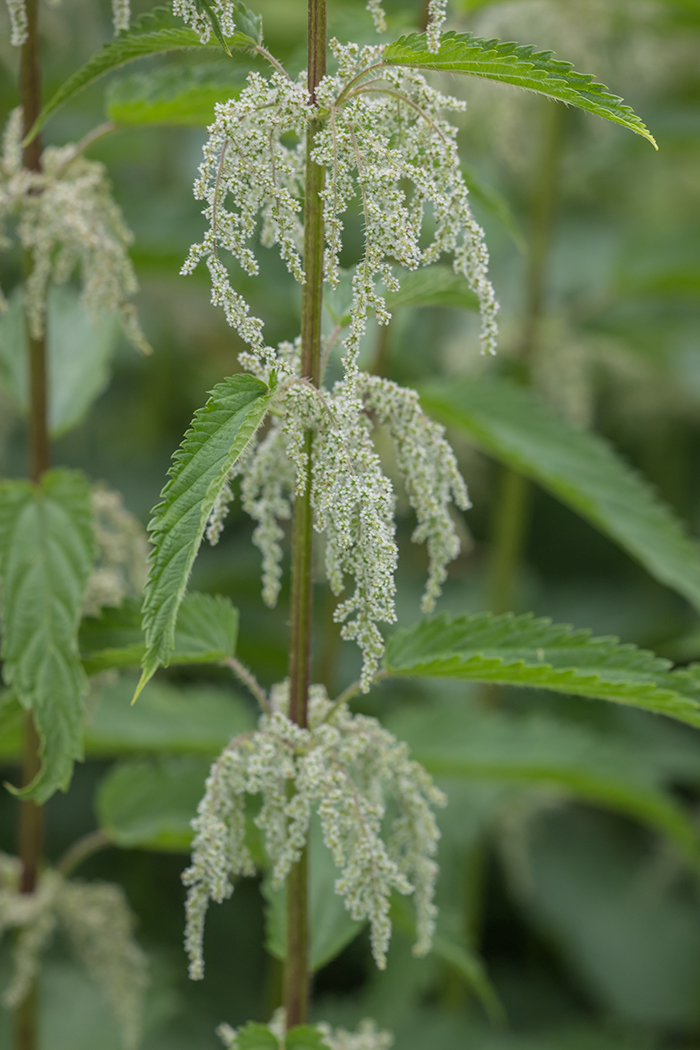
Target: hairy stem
point(296, 973)
point(512, 513)
point(31, 816)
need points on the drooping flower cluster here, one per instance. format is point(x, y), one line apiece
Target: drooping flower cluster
point(99, 925)
point(195, 16)
point(382, 132)
point(66, 217)
point(352, 500)
point(121, 16)
point(436, 18)
point(373, 801)
point(122, 553)
point(367, 1036)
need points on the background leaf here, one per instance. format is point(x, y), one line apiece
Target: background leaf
point(80, 348)
point(521, 650)
point(173, 94)
point(578, 467)
point(153, 33)
point(46, 554)
point(516, 64)
point(205, 632)
point(220, 433)
point(605, 769)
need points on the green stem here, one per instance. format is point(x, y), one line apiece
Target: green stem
point(512, 512)
point(296, 971)
point(31, 815)
point(85, 847)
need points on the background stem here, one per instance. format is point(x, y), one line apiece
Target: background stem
point(511, 518)
point(296, 972)
point(31, 815)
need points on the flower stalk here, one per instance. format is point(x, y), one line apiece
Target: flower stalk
point(31, 817)
point(296, 973)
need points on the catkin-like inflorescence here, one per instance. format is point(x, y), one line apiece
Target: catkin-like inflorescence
point(122, 553)
point(18, 22)
point(195, 16)
point(121, 15)
point(66, 217)
point(352, 501)
point(99, 924)
point(374, 803)
point(436, 18)
point(383, 141)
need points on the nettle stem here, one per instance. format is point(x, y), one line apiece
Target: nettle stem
point(31, 817)
point(511, 518)
point(296, 974)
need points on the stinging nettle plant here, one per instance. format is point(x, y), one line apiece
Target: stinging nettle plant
point(288, 158)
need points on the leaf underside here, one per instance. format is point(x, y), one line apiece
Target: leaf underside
point(219, 434)
point(46, 554)
point(579, 468)
point(516, 64)
point(153, 33)
point(173, 94)
point(205, 632)
point(524, 651)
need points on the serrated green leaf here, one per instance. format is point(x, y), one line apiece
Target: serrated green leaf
point(579, 468)
point(220, 433)
point(254, 1036)
point(172, 94)
point(12, 721)
point(79, 351)
point(602, 768)
point(205, 632)
point(46, 557)
point(433, 286)
point(187, 720)
point(331, 925)
point(305, 1037)
point(149, 804)
point(522, 650)
point(154, 33)
point(516, 64)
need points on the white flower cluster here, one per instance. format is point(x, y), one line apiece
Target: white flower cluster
point(121, 15)
point(195, 16)
point(66, 217)
point(436, 18)
point(18, 22)
point(374, 804)
point(99, 924)
point(352, 501)
point(122, 553)
point(382, 132)
point(367, 1036)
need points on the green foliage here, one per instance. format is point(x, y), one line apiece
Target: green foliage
point(495, 204)
point(578, 467)
point(254, 1036)
point(433, 286)
point(149, 804)
point(79, 351)
point(305, 1037)
point(220, 433)
point(187, 720)
point(46, 552)
point(521, 650)
point(154, 33)
point(172, 94)
point(603, 769)
point(516, 64)
point(205, 632)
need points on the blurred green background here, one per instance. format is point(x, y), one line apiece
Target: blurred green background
point(588, 922)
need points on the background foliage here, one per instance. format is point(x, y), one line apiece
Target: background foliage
point(570, 915)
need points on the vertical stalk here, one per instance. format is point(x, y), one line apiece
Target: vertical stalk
point(512, 511)
point(296, 973)
point(31, 816)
